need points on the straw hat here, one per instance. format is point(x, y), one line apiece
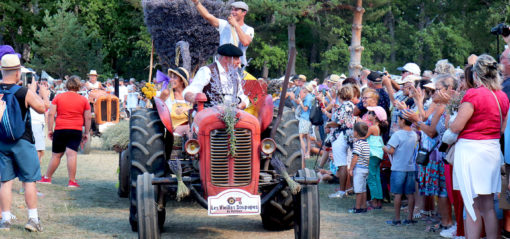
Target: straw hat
point(182, 73)
point(334, 78)
point(309, 87)
point(10, 62)
point(92, 73)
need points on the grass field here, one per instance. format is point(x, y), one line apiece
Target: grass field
point(95, 211)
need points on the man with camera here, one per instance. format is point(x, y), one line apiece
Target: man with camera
point(18, 156)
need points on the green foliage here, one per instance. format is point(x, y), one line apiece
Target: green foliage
point(63, 47)
point(116, 136)
point(273, 56)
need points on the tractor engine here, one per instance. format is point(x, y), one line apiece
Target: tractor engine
point(219, 170)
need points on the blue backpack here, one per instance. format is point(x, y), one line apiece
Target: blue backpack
point(12, 125)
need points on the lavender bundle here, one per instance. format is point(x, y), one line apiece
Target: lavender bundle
point(280, 168)
point(182, 190)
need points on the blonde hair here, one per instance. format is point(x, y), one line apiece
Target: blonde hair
point(444, 67)
point(487, 72)
point(373, 92)
point(346, 92)
point(446, 80)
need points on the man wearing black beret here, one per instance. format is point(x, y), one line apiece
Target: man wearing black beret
point(228, 61)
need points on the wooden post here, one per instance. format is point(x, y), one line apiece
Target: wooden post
point(152, 62)
point(356, 48)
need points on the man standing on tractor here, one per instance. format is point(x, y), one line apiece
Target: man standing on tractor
point(233, 30)
point(229, 58)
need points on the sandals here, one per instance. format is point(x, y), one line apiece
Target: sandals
point(437, 227)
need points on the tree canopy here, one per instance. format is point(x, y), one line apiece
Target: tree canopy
point(114, 38)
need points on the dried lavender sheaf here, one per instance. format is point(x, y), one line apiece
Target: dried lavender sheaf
point(171, 21)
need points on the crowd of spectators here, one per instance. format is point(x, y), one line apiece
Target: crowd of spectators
point(438, 133)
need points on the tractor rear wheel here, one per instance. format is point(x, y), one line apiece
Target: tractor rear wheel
point(288, 146)
point(278, 213)
point(148, 227)
point(124, 168)
point(307, 208)
point(146, 153)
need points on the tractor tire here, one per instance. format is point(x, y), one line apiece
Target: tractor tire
point(307, 209)
point(278, 213)
point(124, 168)
point(146, 208)
point(288, 146)
point(146, 154)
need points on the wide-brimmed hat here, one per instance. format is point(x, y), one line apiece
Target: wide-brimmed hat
point(302, 77)
point(309, 87)
point(334, 78)
point(409, 79)
point(92, 73)
point(379, 111)
point(343, 77)
point(10, 62)
point(241, 5)
point(182, 73)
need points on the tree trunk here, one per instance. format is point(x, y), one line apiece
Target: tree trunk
point(291, 30)
point(356, 48)
point(390, 22)
point(265, 71)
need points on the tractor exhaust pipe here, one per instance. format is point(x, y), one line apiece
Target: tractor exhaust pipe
point(284, 91)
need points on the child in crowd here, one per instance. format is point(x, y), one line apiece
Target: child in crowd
point(359, 166)
point(401, 147)
point(377, 116)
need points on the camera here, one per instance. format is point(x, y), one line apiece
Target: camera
point(501, 29)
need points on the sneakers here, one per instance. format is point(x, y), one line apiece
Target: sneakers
point(33, 226)
point(357, 210)
point(45, 180)
point(409, 222)
point(5, 225)
point(337, 194)
point(73, 184)
point(449, 233)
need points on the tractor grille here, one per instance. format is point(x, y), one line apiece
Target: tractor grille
point(104, 110)
point(231, 172)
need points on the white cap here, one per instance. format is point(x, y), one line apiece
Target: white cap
point(430, 85)
point(410, 78)
point(411, 67)
point(241, 5)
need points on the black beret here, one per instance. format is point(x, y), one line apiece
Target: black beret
point(229, 50)
point(375, 76)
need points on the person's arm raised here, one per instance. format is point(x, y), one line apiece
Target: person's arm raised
point(38, 102)
point(205, 14)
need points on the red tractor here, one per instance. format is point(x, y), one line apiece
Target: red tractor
point(249, 183)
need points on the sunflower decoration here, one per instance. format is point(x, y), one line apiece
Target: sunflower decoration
point(149, 90)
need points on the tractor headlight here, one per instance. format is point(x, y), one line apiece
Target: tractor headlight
point(268, 146)
point(192, 147)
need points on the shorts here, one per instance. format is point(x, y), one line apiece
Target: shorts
point(19, 160)
point(359, 180)
point(38, 130)
point(304, 126)
point(66, 138)
point(402, 182)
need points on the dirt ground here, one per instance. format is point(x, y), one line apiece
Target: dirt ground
point(95, 211)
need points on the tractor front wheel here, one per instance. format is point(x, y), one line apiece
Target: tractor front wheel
point(124, 168)
point(307, 208)
point(148, 227)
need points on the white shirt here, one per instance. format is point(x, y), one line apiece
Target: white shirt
point(132, 100)
point(36, 118)
point(94, 86)
point(229, 35)
point(203, 77)
point(123, 92)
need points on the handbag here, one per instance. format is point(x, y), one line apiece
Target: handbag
point(423, 156)
point(450, 154)
point(316, 115)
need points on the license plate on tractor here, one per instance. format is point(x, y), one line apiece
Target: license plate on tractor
point(233, 202)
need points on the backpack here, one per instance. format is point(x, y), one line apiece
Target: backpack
point(316, 114)
point(12, 125)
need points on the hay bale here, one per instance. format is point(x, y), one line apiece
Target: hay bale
point(116, 137)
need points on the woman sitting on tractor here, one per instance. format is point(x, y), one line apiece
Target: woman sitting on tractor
point(174, 100)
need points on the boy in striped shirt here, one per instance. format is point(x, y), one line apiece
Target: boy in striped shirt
point(359, 166)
